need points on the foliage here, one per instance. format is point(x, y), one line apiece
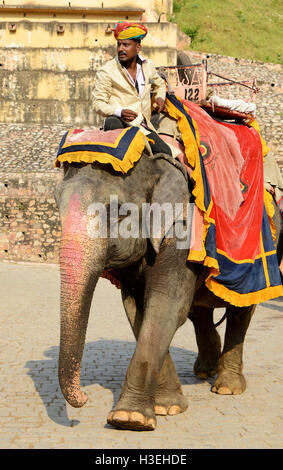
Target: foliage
point(239, 28)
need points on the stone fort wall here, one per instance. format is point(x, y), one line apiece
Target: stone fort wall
point(47, 78)
point(50, 51)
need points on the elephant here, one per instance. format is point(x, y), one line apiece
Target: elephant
point(159, 290)
point(156, 285)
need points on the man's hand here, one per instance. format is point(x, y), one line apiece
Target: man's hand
point(160, 105)
point(128, 115)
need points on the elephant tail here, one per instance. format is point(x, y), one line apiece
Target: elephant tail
point(221, 320)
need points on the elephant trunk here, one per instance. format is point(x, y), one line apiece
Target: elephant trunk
point(82, 261)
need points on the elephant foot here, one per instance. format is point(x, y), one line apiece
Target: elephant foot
point(170, 402)
point(229, 383)
point(132, 420)
point(208, 341)
point(128, 414)
point(204, 368)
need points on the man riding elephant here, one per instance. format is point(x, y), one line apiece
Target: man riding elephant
point(160, 285)
point(124, 85)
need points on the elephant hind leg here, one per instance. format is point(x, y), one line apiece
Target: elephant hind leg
point(169, 398)
point(230, 380)
point(208, 341)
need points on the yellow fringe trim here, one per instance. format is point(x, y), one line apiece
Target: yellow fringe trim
point(192, 146)
point(248, 260)
point(212, 263)
point(132, 155)
point(253, 123)
point(270, 212)
point(243, 300)
point(192, 153)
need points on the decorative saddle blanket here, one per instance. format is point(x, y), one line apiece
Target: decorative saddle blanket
point(233, 227)
point(233, 232)
point(122, 148)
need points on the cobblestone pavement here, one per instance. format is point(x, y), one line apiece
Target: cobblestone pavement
point(35, 415)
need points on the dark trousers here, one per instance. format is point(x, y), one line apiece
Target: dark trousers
point(159, 146)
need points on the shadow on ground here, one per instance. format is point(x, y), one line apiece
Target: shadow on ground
point(105, 363)
point(273, 306)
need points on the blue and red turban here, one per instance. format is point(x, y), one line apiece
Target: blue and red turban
point(125, 30)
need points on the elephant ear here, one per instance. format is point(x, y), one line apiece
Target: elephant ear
point(169, 202)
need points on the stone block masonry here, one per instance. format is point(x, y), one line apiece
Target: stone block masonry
point(47, 77)
point(29, 221)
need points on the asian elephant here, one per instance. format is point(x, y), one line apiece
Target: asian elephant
point(157, 286)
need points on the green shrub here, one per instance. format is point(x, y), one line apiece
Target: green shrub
point(177, 6)
point(250, 29)
point(191, 31)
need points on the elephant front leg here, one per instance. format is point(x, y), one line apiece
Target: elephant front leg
point(136, 406)
point(230, 380)
point(169, 398)
point(166, 300)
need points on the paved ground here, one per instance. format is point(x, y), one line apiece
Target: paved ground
point(35, 415)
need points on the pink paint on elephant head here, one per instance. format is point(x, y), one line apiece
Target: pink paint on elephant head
point(73, 241)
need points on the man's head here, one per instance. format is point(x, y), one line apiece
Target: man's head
point(127, 50)
point(128, 36)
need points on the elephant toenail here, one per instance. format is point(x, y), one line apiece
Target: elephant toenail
point(151, 423)
point(174, 410)
point(160, 410)
point(137, 417)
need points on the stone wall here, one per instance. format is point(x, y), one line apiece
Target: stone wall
point(47, 78)
point(29, 222)
point(89, 10)
point(29, 217)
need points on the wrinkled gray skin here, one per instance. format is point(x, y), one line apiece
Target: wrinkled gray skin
point(157, 287)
